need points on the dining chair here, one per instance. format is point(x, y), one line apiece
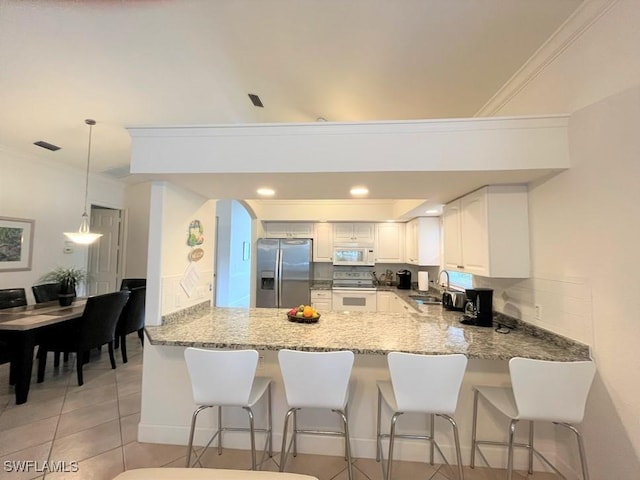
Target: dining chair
point(12, 297)
point(9, 298)
point(95, 328)
point(131, 319)
point(129, 283)
point(46, 292)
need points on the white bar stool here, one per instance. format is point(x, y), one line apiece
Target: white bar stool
point(315, 380)
point(541, 390)
point(427, 384)
point(205, 474)
point(221, 378)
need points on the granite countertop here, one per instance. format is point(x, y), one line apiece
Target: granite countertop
point(432, 331)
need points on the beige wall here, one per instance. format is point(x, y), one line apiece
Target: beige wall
point(585, 227)
point(137, 199)
point(53, 196)
point(171, 211)
point(584, 241)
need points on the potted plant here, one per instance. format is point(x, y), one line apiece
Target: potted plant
point(69, 278)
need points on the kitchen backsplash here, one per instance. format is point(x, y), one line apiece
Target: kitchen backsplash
point(564, 304)
point(324, 271)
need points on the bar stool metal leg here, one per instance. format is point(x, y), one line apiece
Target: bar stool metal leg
point(220, 428)
point(431, 443)
point(474, 424)
point(284, 451)
point(347, 442)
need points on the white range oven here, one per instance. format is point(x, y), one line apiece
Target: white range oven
point(353, 290)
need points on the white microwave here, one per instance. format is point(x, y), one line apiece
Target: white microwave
point(354, 256)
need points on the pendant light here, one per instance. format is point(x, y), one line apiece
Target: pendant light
point(83, 236)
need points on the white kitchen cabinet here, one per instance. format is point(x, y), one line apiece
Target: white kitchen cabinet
point(388, 301)
point(389, 244)
point(486, 232)
point(422, 246)
point(400, 306)
point(345, 233)
point(288, 230)
point(321, 300)
point(323, 242)
point(384, 301)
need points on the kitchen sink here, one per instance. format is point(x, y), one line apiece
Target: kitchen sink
point(426, 299)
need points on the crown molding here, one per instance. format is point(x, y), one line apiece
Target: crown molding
point(569, 32)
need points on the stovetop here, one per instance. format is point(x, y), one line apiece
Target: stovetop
point(353, 279)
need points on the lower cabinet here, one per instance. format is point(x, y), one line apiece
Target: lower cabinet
point(321, 300)
point(390, 302)
point(383, 301)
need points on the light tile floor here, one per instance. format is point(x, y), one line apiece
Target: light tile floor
point(96, 425)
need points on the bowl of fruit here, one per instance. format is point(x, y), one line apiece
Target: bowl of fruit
point(303, 314)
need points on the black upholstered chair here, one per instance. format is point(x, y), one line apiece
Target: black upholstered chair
point(46, 292)
point(12, 297)
point(132, 319)
point(95, 328)
point(5, 352)
point(129, 283)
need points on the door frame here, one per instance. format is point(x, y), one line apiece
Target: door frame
point(120, 262)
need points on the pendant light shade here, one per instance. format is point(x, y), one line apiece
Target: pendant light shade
point(83, 236)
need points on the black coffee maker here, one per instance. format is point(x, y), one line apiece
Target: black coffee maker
point(479, 308)
point(404, 279)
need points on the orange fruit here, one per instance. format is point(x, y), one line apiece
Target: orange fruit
point(307, 312)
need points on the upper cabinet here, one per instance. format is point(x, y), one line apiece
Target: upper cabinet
point(288, 229)
point(486, 232)
point(422, 246)
point(353, 232)
point(323, 242)
point(389, 245)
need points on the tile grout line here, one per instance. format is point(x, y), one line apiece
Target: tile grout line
point(55, 432)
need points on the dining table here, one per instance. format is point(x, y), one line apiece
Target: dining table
point(23, 327)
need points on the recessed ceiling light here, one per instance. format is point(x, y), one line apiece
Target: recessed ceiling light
point(359, 191)
point(431, 212)
point(267, 192)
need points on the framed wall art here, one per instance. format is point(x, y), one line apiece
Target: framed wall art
point(16, 244)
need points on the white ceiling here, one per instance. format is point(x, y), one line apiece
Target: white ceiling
point(193, 62)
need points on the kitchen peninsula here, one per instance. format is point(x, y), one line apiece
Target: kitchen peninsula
point(167, 401)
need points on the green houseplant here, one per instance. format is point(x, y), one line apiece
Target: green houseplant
point(69, 278)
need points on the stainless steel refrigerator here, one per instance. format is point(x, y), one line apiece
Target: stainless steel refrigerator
point(284, 272)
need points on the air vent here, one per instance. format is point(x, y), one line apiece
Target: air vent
point(118, 172)
point(47, 145)
point(255, 99)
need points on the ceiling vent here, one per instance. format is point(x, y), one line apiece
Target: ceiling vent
point(255, 99)
point(118, 172)
point(47, 145)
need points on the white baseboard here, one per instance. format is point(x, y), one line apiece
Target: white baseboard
point(405, 450)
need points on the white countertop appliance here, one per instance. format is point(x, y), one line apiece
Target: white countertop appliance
point(353, 290)
point(353, 255)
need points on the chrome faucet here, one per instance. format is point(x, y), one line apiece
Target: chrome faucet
point(447, 274)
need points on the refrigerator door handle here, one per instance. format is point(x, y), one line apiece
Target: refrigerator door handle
point(278, 278)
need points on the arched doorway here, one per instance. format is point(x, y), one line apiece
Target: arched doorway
point(233, 258)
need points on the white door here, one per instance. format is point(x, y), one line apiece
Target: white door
point(104, 253)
